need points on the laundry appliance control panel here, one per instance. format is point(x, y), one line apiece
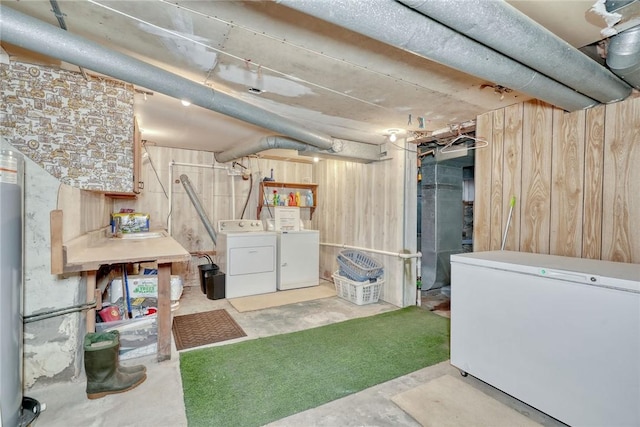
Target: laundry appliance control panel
point(239, 225)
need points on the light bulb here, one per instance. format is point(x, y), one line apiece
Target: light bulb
point(316, 159)
point(185, 102)
point(392, 137)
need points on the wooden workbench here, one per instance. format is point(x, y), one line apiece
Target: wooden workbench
point(89, 251)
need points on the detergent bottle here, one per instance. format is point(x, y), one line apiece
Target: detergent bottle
point(276, 199)
point(309, 198)
point(292, 199)
point(298, 198)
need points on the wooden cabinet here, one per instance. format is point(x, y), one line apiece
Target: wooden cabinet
point(138, 184)
point(284, 188)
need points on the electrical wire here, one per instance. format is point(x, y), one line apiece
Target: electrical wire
point(258, 165)
point(250, 186)
point(169, 216)
point(401, 148)
point(246, 202)
point(203, 255)
point(260, 175)
point(144, 145)
point(55, 8)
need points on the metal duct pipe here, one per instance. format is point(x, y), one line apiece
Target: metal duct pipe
point(265, 143)
point(37, 36)
point(196, 204)
point(395, 24)
point(502, 27)
point(351, 151)
point(623, 56)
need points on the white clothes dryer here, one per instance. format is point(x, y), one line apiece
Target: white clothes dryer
point(247, 255)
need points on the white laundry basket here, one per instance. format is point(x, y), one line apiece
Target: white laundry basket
point(359, 293)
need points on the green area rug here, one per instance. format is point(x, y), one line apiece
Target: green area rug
point(255, 382)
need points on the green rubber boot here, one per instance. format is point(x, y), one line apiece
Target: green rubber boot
point(126, 369)
point(101, 367)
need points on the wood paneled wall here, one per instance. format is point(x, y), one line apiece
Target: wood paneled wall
point(213, 187)
point(358, 204)
point(83, 211)
point(575, 176)
point(363, 205)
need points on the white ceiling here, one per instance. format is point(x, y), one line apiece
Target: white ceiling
point(328, 78)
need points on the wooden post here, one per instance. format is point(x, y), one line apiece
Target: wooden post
point(164, 312)
point(91, 293)
point(57, 256)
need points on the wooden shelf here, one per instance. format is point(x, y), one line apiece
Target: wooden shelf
point(121, 195)
point(115, 194)
point(287, 187)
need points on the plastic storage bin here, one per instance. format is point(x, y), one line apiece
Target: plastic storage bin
point(359, 293)
point(358, 266)
point(138, 337)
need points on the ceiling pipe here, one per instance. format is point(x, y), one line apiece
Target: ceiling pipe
point(348, 150)
point(38, 36)
point(351, 151)
point(264, 143)
point(623, 56)
point(395, 24)
point(502, 27)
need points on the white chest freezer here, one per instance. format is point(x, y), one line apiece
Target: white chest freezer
point(561, 334)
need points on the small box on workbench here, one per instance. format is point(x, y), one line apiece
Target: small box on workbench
point(129, 222)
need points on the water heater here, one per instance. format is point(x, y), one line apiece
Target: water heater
point(11, 281)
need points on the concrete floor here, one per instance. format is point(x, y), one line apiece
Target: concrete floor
point(159, 400)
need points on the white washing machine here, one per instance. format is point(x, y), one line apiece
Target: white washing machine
point(298, 262)
point(247, 255)
point(298, 259)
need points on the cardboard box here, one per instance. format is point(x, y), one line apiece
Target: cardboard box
point(144, 286)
